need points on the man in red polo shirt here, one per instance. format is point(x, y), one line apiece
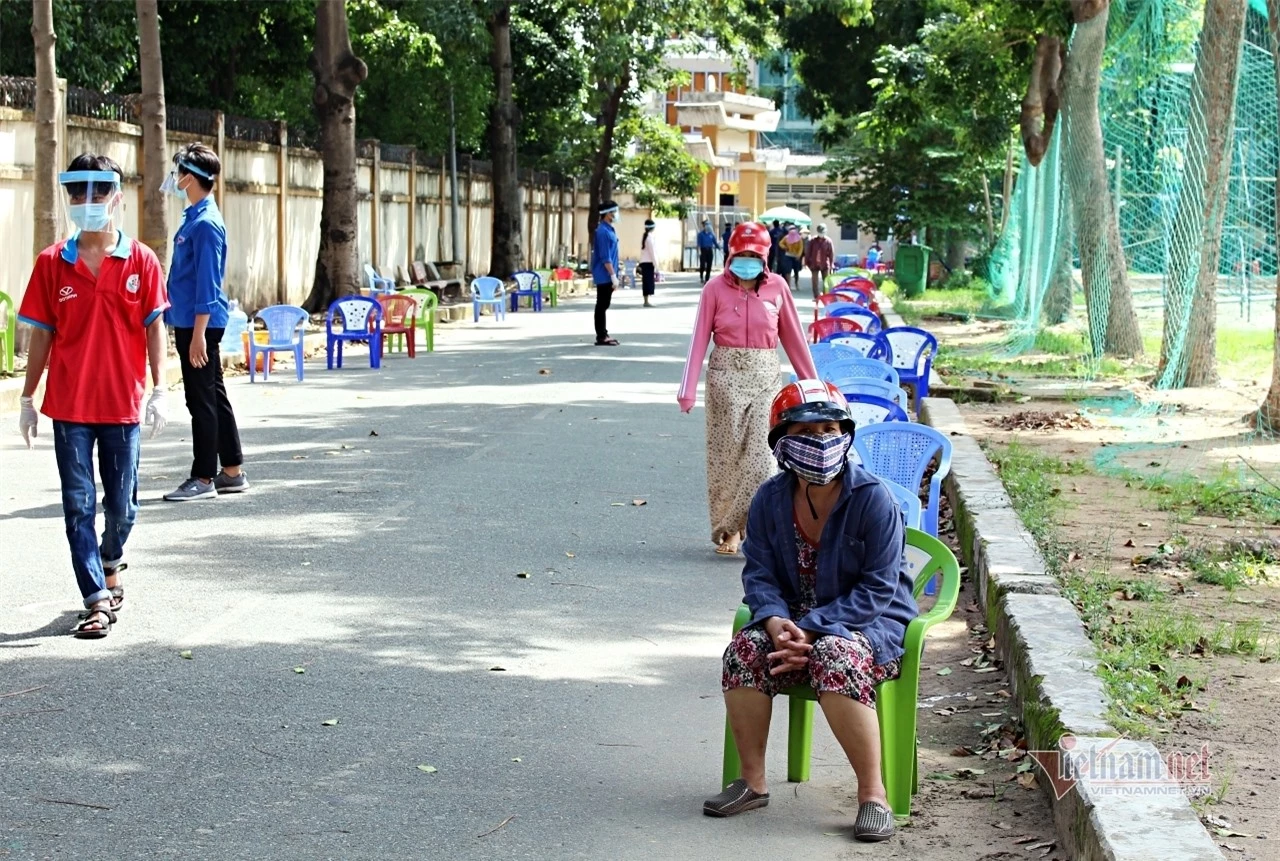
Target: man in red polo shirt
point(94, 303)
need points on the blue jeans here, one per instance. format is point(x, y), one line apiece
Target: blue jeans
point(118, 453)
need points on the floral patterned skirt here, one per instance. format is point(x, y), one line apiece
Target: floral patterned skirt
point(836, 665)
point(741, 384)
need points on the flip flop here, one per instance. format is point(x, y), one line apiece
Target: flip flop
point(607, 342)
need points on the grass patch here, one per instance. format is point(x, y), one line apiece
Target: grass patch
point(988, 363)
point(1230, 570)
point(1059, 343)
point(1145, 646)
point(964, 301)
point(1228, 494)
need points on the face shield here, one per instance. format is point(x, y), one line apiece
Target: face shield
point(93, 201)
point(173, 183)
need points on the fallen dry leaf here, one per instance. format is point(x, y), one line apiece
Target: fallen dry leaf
point(329, 722)
point(1027, 780)
point(429, 769)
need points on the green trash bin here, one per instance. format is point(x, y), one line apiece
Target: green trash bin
point(911, 269)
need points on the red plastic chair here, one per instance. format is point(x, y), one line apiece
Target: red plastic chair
point(400, 317)
point(828, 326)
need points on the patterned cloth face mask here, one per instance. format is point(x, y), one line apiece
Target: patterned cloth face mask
point(816, 459)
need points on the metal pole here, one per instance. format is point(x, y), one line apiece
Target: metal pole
point(453, 181)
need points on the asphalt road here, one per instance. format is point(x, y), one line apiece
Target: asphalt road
point(572, 713)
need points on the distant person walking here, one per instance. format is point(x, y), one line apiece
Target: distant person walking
point(775, 242)
point(792, 256)
point(604, 270)
point(819, 257)
point(873, 257)
point(707, 246)
point(724, 240)
point(93, 304)
point(746, 311)
point(648, 262)
point(198, 315)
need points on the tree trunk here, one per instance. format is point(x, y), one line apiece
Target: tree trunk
point(1268, 417)
point(1062, 284)
point(337, 72)
point(990, 216)
point(1007, 189)
point(1188, 354)
point(1105, 273)
point(155, 150)
point(957, 249)
point(48, 230)
point(601, 182)
point(506, 256)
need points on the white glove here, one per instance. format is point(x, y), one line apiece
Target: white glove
point(157, 414)
point(615, 280)
point(27, 419)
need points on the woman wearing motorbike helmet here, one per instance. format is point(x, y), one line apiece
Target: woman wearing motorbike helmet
point(747, 311)
point(829, 595)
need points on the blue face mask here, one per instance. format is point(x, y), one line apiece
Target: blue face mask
point(170, 185)
point(746, 268)
point(93, 217)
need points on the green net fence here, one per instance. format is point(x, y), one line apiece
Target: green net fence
point(1154, 135)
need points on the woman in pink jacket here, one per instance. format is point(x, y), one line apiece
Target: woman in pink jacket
point(746, 310)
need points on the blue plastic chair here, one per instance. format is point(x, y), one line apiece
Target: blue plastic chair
point(528, 284)
point(286, 328)
point(868, 346)
point(910, 351)
point(901, 451)
point(869, 319)
point(873, 409)
point(853, 296)
point(378, 284)
point(909, 502)
point(361, 319)
point(848, 369)
point(824, 354)
point(830, 310)
point(878, 388)
point(487, 290)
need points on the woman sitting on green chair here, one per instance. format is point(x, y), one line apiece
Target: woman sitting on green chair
point(829, 596)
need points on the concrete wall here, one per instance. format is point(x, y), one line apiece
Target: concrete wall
point(270, 262)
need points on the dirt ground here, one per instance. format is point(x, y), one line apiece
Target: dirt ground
point(977, 802)
point(1110, 523)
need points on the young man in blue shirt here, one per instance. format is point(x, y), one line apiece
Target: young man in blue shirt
point(198, 315)
point(707, 245)
point(604, 269)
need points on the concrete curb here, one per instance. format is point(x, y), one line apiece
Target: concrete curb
point(1052, 667)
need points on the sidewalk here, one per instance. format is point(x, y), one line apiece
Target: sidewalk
point(572, 713)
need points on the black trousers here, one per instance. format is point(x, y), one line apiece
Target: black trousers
point(647, 278)
point(214, 435)
point(604, 297)
point(705, 258)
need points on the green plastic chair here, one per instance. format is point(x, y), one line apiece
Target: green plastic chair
point(841, 274)
point(927, 557)
point(8, 334)
point(427, 312)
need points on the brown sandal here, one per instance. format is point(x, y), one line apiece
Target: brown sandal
point(101, 617)
point(736, 798)
point(117, 594)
